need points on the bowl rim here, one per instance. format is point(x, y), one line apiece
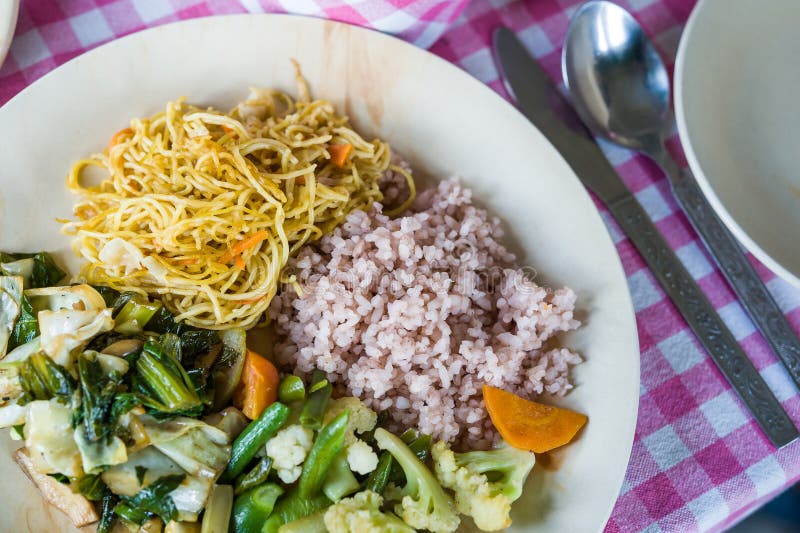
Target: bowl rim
point(693, 160)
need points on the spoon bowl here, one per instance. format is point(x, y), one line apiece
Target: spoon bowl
point(619, 85)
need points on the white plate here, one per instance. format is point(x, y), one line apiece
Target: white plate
point(437, 116)
point(8, 22)
point(737, 96)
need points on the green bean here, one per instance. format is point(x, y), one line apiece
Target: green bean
point(340, 481)
point(253, 507)
point(314, 409)
point(256, 476)
point(293, 507)
point(253, 438)
point(291, 390)
point(379, 477)
point(329, 442)
point(313, 523)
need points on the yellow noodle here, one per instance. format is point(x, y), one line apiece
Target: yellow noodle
point(186, 185)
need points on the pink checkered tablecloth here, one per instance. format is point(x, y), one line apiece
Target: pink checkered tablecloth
point(699, 462)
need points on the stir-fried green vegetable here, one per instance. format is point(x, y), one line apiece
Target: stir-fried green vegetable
point(328, 444)
point(253, 438)
point(154, 500)
point(319, 395)
point(38, 270)
point(252, 508)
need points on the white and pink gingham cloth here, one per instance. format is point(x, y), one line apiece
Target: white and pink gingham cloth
point(699, 461)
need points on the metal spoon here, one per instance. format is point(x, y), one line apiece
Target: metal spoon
point(620, 89)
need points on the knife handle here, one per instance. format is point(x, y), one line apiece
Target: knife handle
point(737, 270)
point(704, 321)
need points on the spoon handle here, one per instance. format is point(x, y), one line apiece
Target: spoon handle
point(706, 324)
point(737, 269)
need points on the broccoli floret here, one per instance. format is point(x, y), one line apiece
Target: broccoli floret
point(424, 504)
point(362, 514)
point(362, 418)
point(485, 483)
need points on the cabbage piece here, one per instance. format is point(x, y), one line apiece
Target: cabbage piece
point(148, 465)
point(20, 267)
point(121, 257)
point(24, 351)
point(200, 449)
point(13, 414)
point(74, 297)
point(65, 330)
point(95, 455)
point(38, 270)
point(48, 436)
point(10, 308)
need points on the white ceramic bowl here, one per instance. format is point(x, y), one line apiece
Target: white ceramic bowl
point(8, 22)
point(433, 113)
point(737, 97)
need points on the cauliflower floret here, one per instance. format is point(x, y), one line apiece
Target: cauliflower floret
point(362, 418)
point(423, 502)
point(361, 458)
point(361, 514)
point(487, 502)
point(288, 449)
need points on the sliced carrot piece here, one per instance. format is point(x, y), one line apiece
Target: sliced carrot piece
point(258, 387)
point(117, 137)
point(339, 153)
point(244, 245)
point(239, 262)
point(530, 425)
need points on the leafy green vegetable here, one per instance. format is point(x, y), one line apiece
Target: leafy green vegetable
point(109, 295)
point(41, 378)
point(44, 273)
point(107, 515)
point(27, 326)
point(134, 314)
point(140, 473)
point(164, 322)
point(98, 392)
point(195, 342)
point(61, 478)
point(92, 487)
point(165, 387)
point(153, 500)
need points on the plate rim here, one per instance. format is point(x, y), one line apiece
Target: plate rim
point(627, 439)
point(693, 160)
point(11, 11)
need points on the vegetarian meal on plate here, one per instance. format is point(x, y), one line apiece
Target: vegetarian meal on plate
point(272, 330)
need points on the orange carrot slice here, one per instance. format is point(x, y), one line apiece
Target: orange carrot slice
point(530, 425)
point(339, 153)
point(239, 262)
point(244, 245)
point(258, 387)
point(117, 137)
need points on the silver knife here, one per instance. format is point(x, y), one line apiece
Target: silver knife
point(542, 103)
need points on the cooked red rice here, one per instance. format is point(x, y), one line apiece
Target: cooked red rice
point(414, 314)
